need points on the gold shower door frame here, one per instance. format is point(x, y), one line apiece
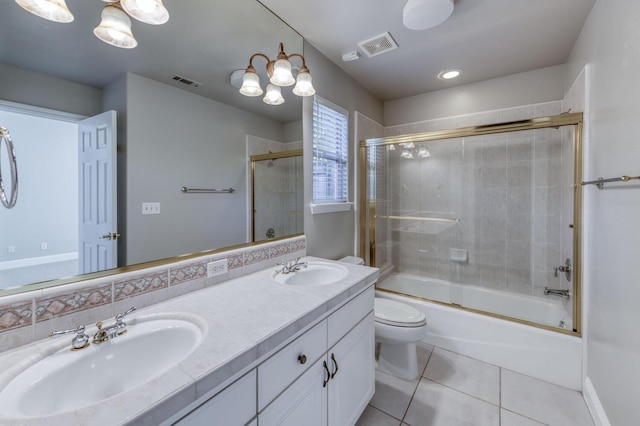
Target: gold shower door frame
point(367, 231)
point(262, 157)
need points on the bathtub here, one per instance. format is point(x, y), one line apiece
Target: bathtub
point(546, 355)
point(546, 310)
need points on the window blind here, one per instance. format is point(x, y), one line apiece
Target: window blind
point(330, 152)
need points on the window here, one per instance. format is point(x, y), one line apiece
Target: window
point(330, 156)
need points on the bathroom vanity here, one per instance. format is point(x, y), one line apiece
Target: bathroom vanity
point(273, 350)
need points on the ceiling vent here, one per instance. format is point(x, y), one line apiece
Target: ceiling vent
point(186, 81)
point(379, 44)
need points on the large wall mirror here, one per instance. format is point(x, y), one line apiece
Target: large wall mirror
point(169, 134)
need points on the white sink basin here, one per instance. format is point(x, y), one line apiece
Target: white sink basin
point(67, 380)
point(316, 273)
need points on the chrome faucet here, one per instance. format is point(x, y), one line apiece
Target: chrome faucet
point(80, 341)
point(566, 268)
point(118, 329)
point(563, 293)
point(291, 266)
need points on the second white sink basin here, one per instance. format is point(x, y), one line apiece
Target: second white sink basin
point(67, 380)
point(316, 273)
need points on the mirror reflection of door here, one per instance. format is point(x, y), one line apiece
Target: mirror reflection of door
point(97, 193)
point(277, 195)
point(39, 237)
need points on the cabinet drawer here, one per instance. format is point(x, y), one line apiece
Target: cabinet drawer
point(276, 373)
point(349, 315)
point(235, 405)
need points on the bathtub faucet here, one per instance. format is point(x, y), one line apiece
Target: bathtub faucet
point(563, 293)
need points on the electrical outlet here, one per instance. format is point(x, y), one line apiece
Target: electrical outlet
point(44, 246)
point(217, 267)
point(150, 208)
point(11, 249)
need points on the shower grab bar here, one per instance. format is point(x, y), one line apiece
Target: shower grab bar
point(599, 183)
point(207, 191)
point(429, 219)
point(13, 170)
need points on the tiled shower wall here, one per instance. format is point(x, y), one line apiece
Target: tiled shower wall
point(30, 316)
point(509, 192)
point(278, 189)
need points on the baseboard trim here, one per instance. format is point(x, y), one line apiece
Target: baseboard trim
point(593, 403)
point(35, 261)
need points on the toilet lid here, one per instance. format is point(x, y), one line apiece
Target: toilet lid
point(400, 314)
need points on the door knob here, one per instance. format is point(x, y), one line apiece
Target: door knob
point(113, 236)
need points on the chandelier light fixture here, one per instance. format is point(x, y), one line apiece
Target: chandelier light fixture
point(409, 151)
point(280, 75)
point(115, 27)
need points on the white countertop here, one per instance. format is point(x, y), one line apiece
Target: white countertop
point(246, 318)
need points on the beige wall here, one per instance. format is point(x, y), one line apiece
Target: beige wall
point(610, 44)
point(542, 85)
point(331, 235)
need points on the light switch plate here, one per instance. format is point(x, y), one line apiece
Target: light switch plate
point(150, 208)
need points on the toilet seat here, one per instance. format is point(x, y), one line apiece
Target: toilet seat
point(398, 314)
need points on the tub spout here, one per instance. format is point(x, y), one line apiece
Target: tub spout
point(563, 293)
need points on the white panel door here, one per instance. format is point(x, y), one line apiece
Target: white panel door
point(97, 193)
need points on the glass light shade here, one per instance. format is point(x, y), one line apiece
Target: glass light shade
point(251, 84)
point(115, 28)
point(148, 11)
point(406, 153)
point(425, 14)
point(303, 84)
point(273, 96)
point(423, 152)
point(408, 145)
point(392, 147)
point(52, 10)
point(282, 73)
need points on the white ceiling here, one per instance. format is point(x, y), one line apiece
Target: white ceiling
point(484, 38)
point(206, 40)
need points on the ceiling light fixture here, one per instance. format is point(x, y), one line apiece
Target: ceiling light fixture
point(52, 10)
point(425, 14)
point(449, 74)
point(115, 27)
point(279, 72)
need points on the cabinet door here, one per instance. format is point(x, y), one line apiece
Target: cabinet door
point(235, 405)
point(352, 364)
point(302, 403)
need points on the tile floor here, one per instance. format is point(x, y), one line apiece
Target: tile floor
point(456, 390)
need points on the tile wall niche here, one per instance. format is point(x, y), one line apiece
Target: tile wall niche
point(506, 189)
point(31, 316)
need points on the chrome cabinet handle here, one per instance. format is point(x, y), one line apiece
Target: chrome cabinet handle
point(13, 170)
point(302, 358)
point(335, 364)
point(326, 370)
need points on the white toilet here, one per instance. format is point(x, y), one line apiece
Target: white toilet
point(398, 327)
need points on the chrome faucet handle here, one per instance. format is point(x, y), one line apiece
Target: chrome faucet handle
point(121, 326)
point(80, 341)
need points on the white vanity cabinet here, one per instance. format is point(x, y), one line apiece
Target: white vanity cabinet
point(235, 405)
point(336, 389)
point(325, 376)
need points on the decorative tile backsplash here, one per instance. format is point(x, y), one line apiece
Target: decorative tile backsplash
point(27, 314)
